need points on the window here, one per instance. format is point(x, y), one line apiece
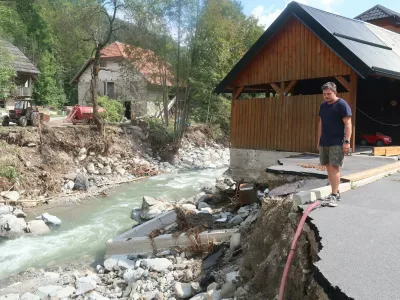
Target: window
point(103, 63)
point(109, 89)
point(19, 105)
point(2, 103)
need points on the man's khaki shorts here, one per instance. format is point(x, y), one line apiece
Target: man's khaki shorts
point(333, 156)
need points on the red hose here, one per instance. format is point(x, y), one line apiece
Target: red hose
point(291, 253)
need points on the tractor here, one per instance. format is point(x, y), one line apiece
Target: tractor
point(24, 113)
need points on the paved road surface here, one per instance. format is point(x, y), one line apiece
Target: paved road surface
point(352, 164)
point(361, 241)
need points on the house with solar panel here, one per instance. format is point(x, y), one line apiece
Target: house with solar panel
point(26, 73)
point(282, 75)
point(132, 75)
point(382, 17)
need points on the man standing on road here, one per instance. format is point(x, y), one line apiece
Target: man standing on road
point(334, 132)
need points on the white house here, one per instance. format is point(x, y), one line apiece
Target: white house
point(134, 76)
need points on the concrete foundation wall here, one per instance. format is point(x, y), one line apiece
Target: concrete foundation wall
point(249, 165)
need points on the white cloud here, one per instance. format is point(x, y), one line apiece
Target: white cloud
point(267, 16)
point(257, 11)
point(266, 20)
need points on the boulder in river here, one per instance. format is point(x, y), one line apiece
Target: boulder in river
point(49, 219)
point(6, 209)
point(11, 195)
point(37, 227)
point(81, 183)
point(11, 226)
point(152, 207)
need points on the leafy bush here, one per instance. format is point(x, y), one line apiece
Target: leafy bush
point(9, 172)
point(113, 109)
point(159, 135)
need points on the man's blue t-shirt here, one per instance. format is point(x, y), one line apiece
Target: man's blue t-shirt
point(332, 122)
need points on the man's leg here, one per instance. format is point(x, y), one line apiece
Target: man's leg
point(334, 178)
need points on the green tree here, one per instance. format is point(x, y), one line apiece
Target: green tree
point(7, 73)
point(47, 90)
point(42, 51)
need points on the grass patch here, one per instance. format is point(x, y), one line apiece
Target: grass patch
point(9, 172)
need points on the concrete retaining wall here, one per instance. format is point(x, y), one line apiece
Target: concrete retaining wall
point(249, 165)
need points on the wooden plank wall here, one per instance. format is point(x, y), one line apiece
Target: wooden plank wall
point(279, 123)
point(294, 53)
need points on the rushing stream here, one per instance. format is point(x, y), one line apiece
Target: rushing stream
point(86, 227)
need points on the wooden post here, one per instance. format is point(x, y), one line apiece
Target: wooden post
point(344, 82)
point(353, 105)
point(234, 91)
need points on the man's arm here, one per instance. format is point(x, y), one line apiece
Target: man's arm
point(347, 133)
point(319, 132)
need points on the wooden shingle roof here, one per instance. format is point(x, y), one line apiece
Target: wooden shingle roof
point(21, 63)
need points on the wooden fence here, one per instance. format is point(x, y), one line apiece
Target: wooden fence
point(279, 123)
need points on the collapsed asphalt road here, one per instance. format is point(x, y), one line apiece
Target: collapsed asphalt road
point(360, 240)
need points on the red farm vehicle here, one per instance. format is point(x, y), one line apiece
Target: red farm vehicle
point(82, 114)
point(24, 113)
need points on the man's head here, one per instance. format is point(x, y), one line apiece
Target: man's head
point(329, 91)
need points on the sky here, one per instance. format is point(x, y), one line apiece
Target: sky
point(268, 10)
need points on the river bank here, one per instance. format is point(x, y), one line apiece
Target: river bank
point(70, 163)
point(247, 266)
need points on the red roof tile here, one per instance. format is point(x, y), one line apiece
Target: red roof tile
point(148, 64)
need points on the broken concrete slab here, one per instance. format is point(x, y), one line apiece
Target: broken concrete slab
point(144, 229)
point(144, 244)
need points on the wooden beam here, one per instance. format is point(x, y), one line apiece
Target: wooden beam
point(379, 151)
point(282, 89)
point(344, 82)
point(371, 172)
point(237, 92)
point(353, 105)
point(276, 88)
point(386, 151)
point(290, 86)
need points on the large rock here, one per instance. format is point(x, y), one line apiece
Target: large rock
point(106, 170)
point(19, 213)
point(37, 227)
point(157, 264)
point(5, 210)
point(183, 290)
point(213, 295)
point(96, 296)
point(201, 296)
point(84, 285)
point(69, 185)
point(45, 292)
point(81, 183)
point(11, 226)
point(110, 263)
point(29, 296)
point(125, 263)
point(135, 215)
point(10, 297)
point(228, 290)
point(65, 292)
point(70, 176)
point(120, 171)
point(131, 276)
point(11, 195)
point(49, 219)
point(235, 241)
point(90, 168)
point(152, 207)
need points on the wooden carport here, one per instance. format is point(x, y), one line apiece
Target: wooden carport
point(288, 65)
